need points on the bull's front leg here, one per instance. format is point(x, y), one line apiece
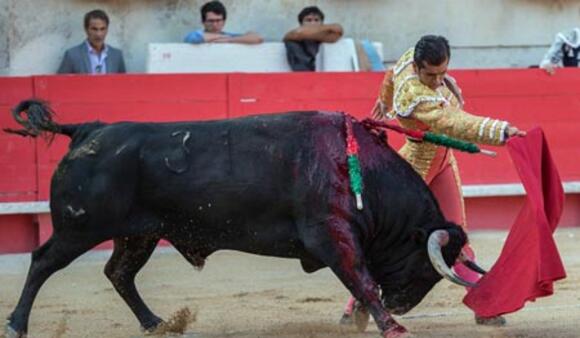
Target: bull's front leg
point(347, 262)
point(364, 289)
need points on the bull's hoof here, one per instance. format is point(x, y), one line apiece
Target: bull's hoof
point(346, 319)
point(361, 318)
point(396, 331)
point(156, 328)
point(490, 321)
point(9, 332)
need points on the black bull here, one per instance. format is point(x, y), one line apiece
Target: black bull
point(274, 185)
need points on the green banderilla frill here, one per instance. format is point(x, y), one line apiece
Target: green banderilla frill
point(354, 173)
point(451, 142)
point(438, 139)
point(356, 183)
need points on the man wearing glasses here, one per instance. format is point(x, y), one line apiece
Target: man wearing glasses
point(93, 56)
point(213, 18)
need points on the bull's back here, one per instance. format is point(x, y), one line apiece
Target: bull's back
point(239, 156)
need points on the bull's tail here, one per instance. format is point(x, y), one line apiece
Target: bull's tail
point(36, 117)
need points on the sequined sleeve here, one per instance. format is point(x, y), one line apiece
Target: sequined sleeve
point(385, 98)
point(454, 122)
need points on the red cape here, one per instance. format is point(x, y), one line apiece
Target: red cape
point(529, 262)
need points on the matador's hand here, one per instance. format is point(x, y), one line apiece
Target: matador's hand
point(513, 131)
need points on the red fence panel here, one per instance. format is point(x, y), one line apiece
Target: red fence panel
point(354, 93)
point(526, 97)
point(17, 154)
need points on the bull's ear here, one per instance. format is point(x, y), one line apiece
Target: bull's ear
point(420, 236)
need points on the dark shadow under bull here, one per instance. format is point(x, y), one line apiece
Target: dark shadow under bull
point(274, 185)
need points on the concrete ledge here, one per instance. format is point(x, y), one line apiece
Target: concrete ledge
point(20, 208)
point(232, 57)
point(511, 189)
point(469, 191)
point(216, 58)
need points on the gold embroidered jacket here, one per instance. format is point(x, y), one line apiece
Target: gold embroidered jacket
point(417, 106)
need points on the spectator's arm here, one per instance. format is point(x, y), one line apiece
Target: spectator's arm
point(195, 37)
point(66, 66)
point(249, 38)
point(322, 33)
point(554, 55)
point(212, 37)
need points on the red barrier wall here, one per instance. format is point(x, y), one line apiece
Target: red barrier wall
point(526, 97)
point(17, 155)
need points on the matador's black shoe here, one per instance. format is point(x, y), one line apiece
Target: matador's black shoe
point(490, 321)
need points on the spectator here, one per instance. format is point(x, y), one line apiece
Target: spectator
point(213, 18)
point(563, 52)
point(93, 56)
point(302, 43)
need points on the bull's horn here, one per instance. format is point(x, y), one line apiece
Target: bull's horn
point(436, 240)
point(464, 259)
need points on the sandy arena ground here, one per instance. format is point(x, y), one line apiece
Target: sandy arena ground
point(243, 296)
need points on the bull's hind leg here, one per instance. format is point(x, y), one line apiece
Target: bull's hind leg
point(129, 256)
point(55, 254)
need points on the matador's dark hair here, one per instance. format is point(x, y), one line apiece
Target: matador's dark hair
point(433, 49)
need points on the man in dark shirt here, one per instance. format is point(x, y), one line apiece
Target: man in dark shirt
point(302, 43)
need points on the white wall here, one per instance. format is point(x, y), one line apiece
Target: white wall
point(483, 33)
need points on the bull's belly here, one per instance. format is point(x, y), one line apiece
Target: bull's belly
point(266, 233)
